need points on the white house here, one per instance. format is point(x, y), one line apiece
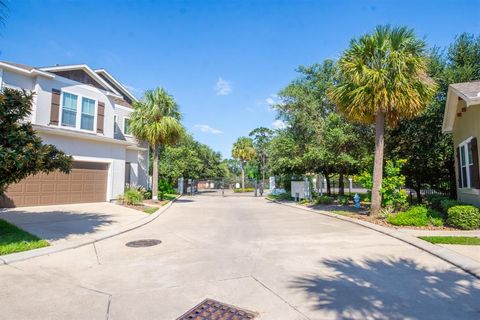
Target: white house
point(85, 113)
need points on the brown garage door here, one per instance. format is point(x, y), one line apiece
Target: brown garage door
point(87, 182)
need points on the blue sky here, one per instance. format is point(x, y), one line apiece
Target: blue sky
point(223, 61)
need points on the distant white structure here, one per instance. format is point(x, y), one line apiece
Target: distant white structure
point(299, 190)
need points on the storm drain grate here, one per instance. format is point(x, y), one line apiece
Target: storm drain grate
point(213, 310)
point(143, 243)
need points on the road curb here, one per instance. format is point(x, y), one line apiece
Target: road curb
point(25, 255)
point(466, 264)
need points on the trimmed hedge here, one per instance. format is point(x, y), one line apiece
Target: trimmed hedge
point(464, 217)
point(415, 216)
point(418, 216)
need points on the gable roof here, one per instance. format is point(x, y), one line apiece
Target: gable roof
point(466, 91)
point(116, 83)
point(87, 70)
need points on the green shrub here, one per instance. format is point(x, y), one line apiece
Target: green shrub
point(282, 196)
point(393, 181)
point(437, 218)
point(436, 222)
point(464, 217)
point(435, 200)
point(344, 201)
point(147, 194)
point(131, 196)
point(446, 204)
point(419, 216)
point(165, 187)
point(304, 202)
point(415, 216)
point(240, 190)
point(324, 200)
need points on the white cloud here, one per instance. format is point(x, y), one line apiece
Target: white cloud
point(207, 129)
point(271, 101)
point(279, 124)
point(223, 87)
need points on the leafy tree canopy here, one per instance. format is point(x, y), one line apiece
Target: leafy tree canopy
point(22, 152)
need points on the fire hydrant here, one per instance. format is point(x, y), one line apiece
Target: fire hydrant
point(356, 201)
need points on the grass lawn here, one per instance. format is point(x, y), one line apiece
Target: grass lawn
point(167, 196)
point(342, 212)
point(14, 239)
point(150, 210)
point(475, 241)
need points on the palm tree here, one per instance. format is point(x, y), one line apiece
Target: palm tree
point(156, 119)
point(383, 77)
point(243, 151)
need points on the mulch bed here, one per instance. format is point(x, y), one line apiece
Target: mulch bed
point(362, 214)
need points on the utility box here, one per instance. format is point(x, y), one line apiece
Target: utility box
point(299, 190)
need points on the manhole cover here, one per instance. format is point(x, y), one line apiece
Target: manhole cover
point(143, 243)
point(213, 310)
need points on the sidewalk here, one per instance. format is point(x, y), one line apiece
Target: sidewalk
point(472, 252)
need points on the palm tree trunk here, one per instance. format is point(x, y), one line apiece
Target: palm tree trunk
point(243, 178)
point(155, 174)
point(378, 164)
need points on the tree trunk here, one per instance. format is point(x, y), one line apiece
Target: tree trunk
point(378, 164)
point(263, 169)
point(155, 174)
point(243, 177)
point(329, 191)
point(341, 185)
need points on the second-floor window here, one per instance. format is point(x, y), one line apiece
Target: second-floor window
point(78, 112)
point(126, 126)
point(115, 125)
point(69, 110)
point(88, 114)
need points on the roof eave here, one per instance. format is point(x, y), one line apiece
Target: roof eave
point(34, 72)
point(125, 90)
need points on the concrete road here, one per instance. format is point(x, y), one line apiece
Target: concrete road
point(281, 262)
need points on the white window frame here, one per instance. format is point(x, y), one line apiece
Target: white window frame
point(465, 145)
point(78, 118)
point(124, 131)
point(115, 125)
point(94, 114)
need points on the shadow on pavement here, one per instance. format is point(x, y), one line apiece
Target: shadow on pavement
point(184, 200)
point(55, 225)
point(392, 289)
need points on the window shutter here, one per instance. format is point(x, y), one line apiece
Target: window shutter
point(475, 172)
point(100, 116)
point(55, 107)
point(459, 168)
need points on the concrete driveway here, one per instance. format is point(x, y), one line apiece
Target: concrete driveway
point(62, 223)
point(281, 262)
